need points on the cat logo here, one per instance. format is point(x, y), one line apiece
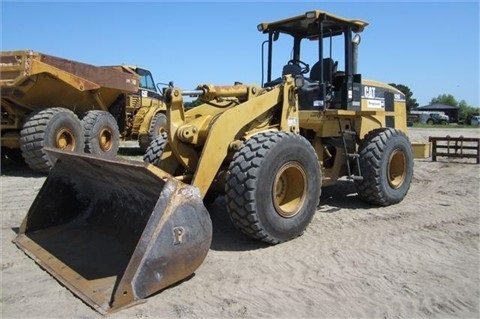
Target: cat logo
point(369, 92)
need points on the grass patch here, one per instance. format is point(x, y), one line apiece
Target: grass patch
point(451, 125)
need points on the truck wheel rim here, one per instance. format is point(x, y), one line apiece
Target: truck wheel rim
point(105, 140)
point(65, 140)
point(289, 189)
point(397, 169)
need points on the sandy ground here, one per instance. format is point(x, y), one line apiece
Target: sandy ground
point(416, 259)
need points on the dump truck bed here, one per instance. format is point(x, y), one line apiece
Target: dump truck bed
point(33, 81)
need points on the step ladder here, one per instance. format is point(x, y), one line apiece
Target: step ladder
point(350, 135)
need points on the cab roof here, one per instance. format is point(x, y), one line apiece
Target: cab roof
point(306, 25)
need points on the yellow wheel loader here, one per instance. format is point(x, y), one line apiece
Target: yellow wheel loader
point(115, 232)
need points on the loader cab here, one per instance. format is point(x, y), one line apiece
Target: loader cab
point(323, 58)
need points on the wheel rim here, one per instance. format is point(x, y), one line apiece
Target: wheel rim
point(105, 140)
point(161, 129)
point(289, 189)
point(160, 125)
point(397, 169)
point(65, 140)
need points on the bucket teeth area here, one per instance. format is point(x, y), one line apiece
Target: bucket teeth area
point(115, 232)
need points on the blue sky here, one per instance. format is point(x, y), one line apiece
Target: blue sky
point(432, 47)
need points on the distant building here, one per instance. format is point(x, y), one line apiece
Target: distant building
point(451, 111)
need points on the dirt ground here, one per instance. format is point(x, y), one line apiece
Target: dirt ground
point(417, 259)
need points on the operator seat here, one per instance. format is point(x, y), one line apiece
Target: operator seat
point(315, 71)
point(310, 90)
point(329, 68)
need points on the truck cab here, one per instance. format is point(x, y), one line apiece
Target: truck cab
point(147, 84)
point(144, 110)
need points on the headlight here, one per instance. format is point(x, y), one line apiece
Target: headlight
point(356, 39)
point(299, 81)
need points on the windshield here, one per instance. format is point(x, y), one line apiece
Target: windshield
point(283, 52)
point(146, 79)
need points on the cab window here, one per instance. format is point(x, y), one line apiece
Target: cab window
point(146, 80)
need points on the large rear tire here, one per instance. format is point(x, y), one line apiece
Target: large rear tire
point(101, 133)
point(274, 186)
point(54, 127)
point(157, 127)
point(386, 163)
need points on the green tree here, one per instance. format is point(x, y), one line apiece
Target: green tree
point(466, 111)
point(192, 104)
point(411, 102)
point(446, 99)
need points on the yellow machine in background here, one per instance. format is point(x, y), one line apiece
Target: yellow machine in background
point(120, 230)
point(43, 97)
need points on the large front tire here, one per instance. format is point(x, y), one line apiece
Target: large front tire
point(154, 152)
point(54, 127)
point(101, 133)
point(274, 186)
point(386, 164)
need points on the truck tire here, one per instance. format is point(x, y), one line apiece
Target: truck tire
point(154, 152)
point(273, 186)
point(53, 127)
point(430, 122)
point(102, 137)
point(386, 164)
point(157, 127)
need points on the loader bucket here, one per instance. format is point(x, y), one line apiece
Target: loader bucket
point(115, 232)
